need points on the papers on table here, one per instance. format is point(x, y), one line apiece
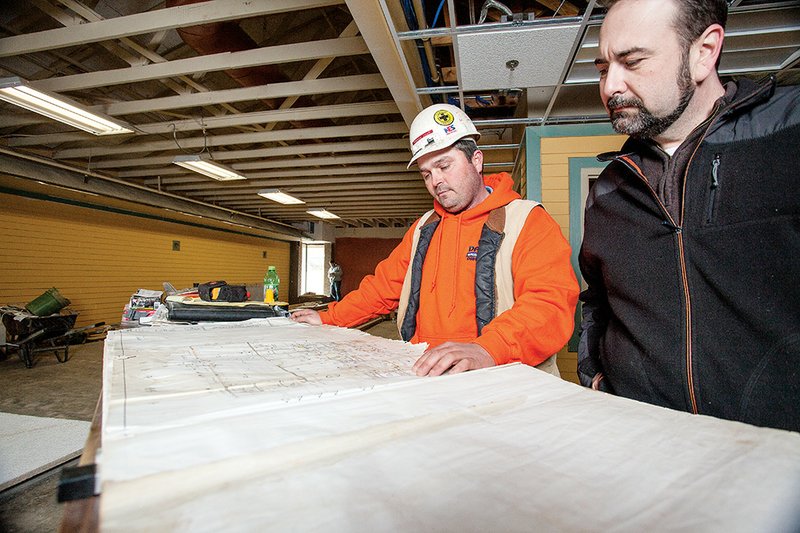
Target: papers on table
point(309, 428)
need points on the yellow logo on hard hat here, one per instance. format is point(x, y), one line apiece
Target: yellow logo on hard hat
point(443, 117)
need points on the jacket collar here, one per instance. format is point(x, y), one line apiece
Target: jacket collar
point(748, 94)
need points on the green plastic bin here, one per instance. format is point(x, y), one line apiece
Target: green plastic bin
point(48, 303)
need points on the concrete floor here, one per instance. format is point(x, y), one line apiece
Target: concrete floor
point(60, 390)
point(49, 389)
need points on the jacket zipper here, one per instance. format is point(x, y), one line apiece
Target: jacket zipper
point(686, 292)
point(714, 186)
point(678, 230)
point(689, 371)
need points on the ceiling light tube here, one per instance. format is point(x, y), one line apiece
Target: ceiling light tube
point(207, 167)
point(321, 213)
point(281, 197)
point(16, 91)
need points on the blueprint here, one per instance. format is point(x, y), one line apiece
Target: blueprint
point(175, 375)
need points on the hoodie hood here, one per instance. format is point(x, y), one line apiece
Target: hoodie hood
point(501, 193)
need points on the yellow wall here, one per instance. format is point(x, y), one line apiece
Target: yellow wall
point(97, 259)
point(555, 153)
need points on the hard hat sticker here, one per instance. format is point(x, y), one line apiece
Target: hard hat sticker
point(443, 117)
point(449, 129)
point(415, 141)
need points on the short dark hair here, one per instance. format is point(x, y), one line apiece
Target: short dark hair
point(467, 145)
point(693, 17)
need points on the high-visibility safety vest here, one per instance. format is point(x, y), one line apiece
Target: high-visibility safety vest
point(494, 283)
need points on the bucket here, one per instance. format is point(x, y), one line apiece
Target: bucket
point(48, 303)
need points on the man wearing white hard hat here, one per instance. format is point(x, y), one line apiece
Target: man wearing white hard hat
point(484, 277)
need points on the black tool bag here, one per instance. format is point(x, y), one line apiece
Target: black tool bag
point(220, 291)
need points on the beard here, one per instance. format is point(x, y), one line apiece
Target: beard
point(640, 122)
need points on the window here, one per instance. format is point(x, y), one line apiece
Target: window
point(314, 272)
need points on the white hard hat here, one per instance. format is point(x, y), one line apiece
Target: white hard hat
point(437, 127)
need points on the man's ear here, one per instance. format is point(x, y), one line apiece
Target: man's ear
point(477, 161)
point(706, 50)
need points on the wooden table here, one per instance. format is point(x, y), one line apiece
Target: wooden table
point(83, 516)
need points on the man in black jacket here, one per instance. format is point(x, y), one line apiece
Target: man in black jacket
point(691, 247)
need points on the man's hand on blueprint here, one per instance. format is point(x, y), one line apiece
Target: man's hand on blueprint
point(307, 316)
point(452, 357)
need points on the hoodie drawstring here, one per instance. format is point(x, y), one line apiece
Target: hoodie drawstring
point(455, 269)
point(439, 233)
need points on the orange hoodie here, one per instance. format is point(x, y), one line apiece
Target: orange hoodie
point(545, 288)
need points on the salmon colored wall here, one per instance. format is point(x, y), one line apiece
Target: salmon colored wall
point(97, 258)
point(358, 258)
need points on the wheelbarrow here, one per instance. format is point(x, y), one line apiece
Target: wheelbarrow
point(29, 334)
point(38, 342)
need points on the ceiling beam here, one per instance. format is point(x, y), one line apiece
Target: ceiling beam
point(412, 212)
point(370, 210)
point(405, 189)
point(216, 141)
point(358, 82)
point(560, 7)
point(336, 171)
point(372, 203)
point(278, 151)
point(313, 188)
point(284, 163)
point(385, 48)
point(376, 208)
point(151, 22)
point(317, 69)
point(297, 114)
point(322, 200)
point(311, 172)
point(394, 157)
point(270, 55)
point(197, 185)
point(142, 54)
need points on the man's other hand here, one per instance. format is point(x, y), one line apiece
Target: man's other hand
point(307, 316)
point(452, 357)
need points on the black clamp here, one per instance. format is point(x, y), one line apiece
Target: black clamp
point(77, 483)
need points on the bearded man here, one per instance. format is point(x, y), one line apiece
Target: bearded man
point(692, 232)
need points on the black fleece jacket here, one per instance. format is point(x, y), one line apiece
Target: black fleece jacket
point(701, 312)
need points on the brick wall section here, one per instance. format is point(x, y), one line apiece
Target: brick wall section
point(358, 257)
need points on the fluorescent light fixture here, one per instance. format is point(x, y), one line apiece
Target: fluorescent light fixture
point(205, 166)
point(16, 91)
point(321, 213)
point(281, 197)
